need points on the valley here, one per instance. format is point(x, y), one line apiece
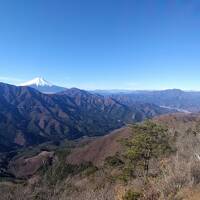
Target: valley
point(29, 117)
point(83, 144)
point(99, 100)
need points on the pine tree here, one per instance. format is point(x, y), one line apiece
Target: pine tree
point(149, 141)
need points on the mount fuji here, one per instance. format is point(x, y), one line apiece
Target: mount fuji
point(43, 86)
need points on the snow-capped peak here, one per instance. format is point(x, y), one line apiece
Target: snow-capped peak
point(38, 81)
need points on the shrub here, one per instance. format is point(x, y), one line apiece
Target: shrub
point(90, 170)
point(62, 170)
point(132, 195)
point(62, 153)
point(114, 161)
point(195, 173)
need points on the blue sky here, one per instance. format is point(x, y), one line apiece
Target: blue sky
point(101, 44)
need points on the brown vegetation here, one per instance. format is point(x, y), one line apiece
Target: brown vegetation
point(173, 176)
point(98, 150)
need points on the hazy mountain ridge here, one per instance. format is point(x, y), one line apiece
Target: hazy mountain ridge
point(174, 98)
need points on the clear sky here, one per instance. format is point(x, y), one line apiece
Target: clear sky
point(102, 44)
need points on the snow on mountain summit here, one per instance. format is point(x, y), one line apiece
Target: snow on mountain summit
point(43, 86)
point(38, 81)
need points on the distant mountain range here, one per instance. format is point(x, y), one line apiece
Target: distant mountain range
point(39, 111)
point(175, 99)
point(184, 101)
point(29, 117)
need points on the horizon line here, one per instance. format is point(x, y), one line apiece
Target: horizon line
point(113, 90)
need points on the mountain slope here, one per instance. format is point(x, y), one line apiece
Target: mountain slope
point(29, 117)
point(99, 169)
